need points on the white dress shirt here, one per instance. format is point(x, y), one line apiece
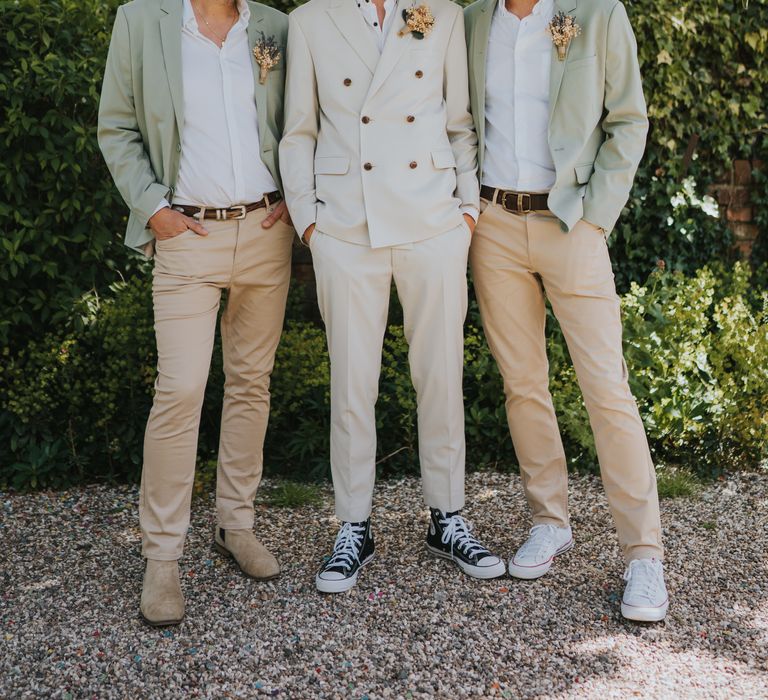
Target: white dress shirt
point(517, 155)
point(372, 19)
point(220, 163)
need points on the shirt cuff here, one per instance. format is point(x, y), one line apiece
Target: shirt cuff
point(163, 204)
point(474, 212)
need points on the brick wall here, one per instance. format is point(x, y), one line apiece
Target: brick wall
point(734, 195)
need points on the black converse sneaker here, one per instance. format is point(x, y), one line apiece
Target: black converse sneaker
point(353, 550)
point(449, 537)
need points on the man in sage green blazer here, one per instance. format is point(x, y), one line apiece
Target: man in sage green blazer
point(189, 123)
point(561, 120)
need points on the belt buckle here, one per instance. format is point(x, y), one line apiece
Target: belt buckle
point(523, 209)
point(242, 214)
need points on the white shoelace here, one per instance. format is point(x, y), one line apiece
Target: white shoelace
point(644, 580)
point(541, 541)
point(346, 551)
point(456, 530)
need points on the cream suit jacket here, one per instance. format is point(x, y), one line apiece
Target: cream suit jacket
point(378, 149)
point(597, 113)
point(141, 114)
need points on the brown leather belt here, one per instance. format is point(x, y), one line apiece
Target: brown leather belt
point(237, 212)
point(516, 202)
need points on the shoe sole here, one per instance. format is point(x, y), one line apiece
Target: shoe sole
point(637, 614)
point(529, 573)
point(340, 585)
point(480, 572)
point(224, 551)
point(160, 623)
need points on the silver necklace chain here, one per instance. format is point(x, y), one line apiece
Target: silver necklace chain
point(213, 31)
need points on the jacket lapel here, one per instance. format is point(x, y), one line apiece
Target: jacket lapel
point(394, 47)
point(349, 21)
point(170, 36)
point(481, 33)
point(558, 67)
point(255, 28)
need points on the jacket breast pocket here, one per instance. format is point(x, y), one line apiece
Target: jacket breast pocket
point(331, 165)
point(578, 63)
point(443, 159)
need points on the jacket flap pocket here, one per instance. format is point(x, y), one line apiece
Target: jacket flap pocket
point(333, 165)
point(443, 158)
point(583, 173)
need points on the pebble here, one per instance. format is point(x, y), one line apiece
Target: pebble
point(415, 627)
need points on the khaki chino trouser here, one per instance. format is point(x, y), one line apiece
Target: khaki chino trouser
point(353, 290)
point(516, 260)
point(191, 271)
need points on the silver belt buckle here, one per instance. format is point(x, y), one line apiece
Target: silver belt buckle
point(242, 214)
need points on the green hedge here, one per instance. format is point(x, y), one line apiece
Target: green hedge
point(697, 349)
point(75, 330)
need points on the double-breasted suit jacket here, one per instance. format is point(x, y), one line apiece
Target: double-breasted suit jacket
point(377, 149)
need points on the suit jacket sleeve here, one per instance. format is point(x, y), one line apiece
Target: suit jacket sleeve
point(625, 126)
point(460, 126)
point(297, 147)
point(118, 130)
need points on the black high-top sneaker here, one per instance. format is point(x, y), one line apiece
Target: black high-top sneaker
point(353, 550)
point(450, 537)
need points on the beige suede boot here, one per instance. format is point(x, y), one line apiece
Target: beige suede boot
point(162, 602)
point(253, 558)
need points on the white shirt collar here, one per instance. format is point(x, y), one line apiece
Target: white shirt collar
point(188, 17)
point(544, 7)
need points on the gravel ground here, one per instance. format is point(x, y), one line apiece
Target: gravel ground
point(415, 627)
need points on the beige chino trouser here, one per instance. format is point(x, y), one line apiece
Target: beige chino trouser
point(254, 265)
point(516, 260)
point(353, 289)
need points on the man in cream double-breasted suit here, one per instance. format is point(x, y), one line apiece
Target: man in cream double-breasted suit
point(561, 133)
point(378, 160)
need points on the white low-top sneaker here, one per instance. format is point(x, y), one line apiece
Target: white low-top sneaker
point(645, 597)
point(535, 557)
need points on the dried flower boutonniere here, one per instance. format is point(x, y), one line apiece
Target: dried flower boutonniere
point(267, 55)
point(418, 21)
point(563, 28)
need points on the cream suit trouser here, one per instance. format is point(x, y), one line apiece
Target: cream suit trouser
point(516, 260)
point(353, 290)
point(254, 265)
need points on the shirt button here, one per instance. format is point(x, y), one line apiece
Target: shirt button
point(413, 164)
point(410, 119)
point(347, 81)
point(419, 74)
point(366, 120)
point(368, 166)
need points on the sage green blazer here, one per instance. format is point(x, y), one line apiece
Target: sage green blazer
point(141, 113)
point(597, 115)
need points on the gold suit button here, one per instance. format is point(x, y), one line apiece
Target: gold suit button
point(347, 81)
point(413, 164)
point(368, 166)
point(410, 119)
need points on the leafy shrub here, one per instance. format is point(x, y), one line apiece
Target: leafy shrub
point(75, 405)
point(61, 219)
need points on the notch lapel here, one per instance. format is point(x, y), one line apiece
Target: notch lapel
point(170, 36)
point(394, 47)
point(349, 21)
point(481, 33)
point(255, 28)
point(558, 67)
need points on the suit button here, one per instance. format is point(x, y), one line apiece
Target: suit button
point(347, 81)
point(413, 164)
point(366, 120)
point(368, 166)
point(419, 74)
point(178, 147)
point(410, 119)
